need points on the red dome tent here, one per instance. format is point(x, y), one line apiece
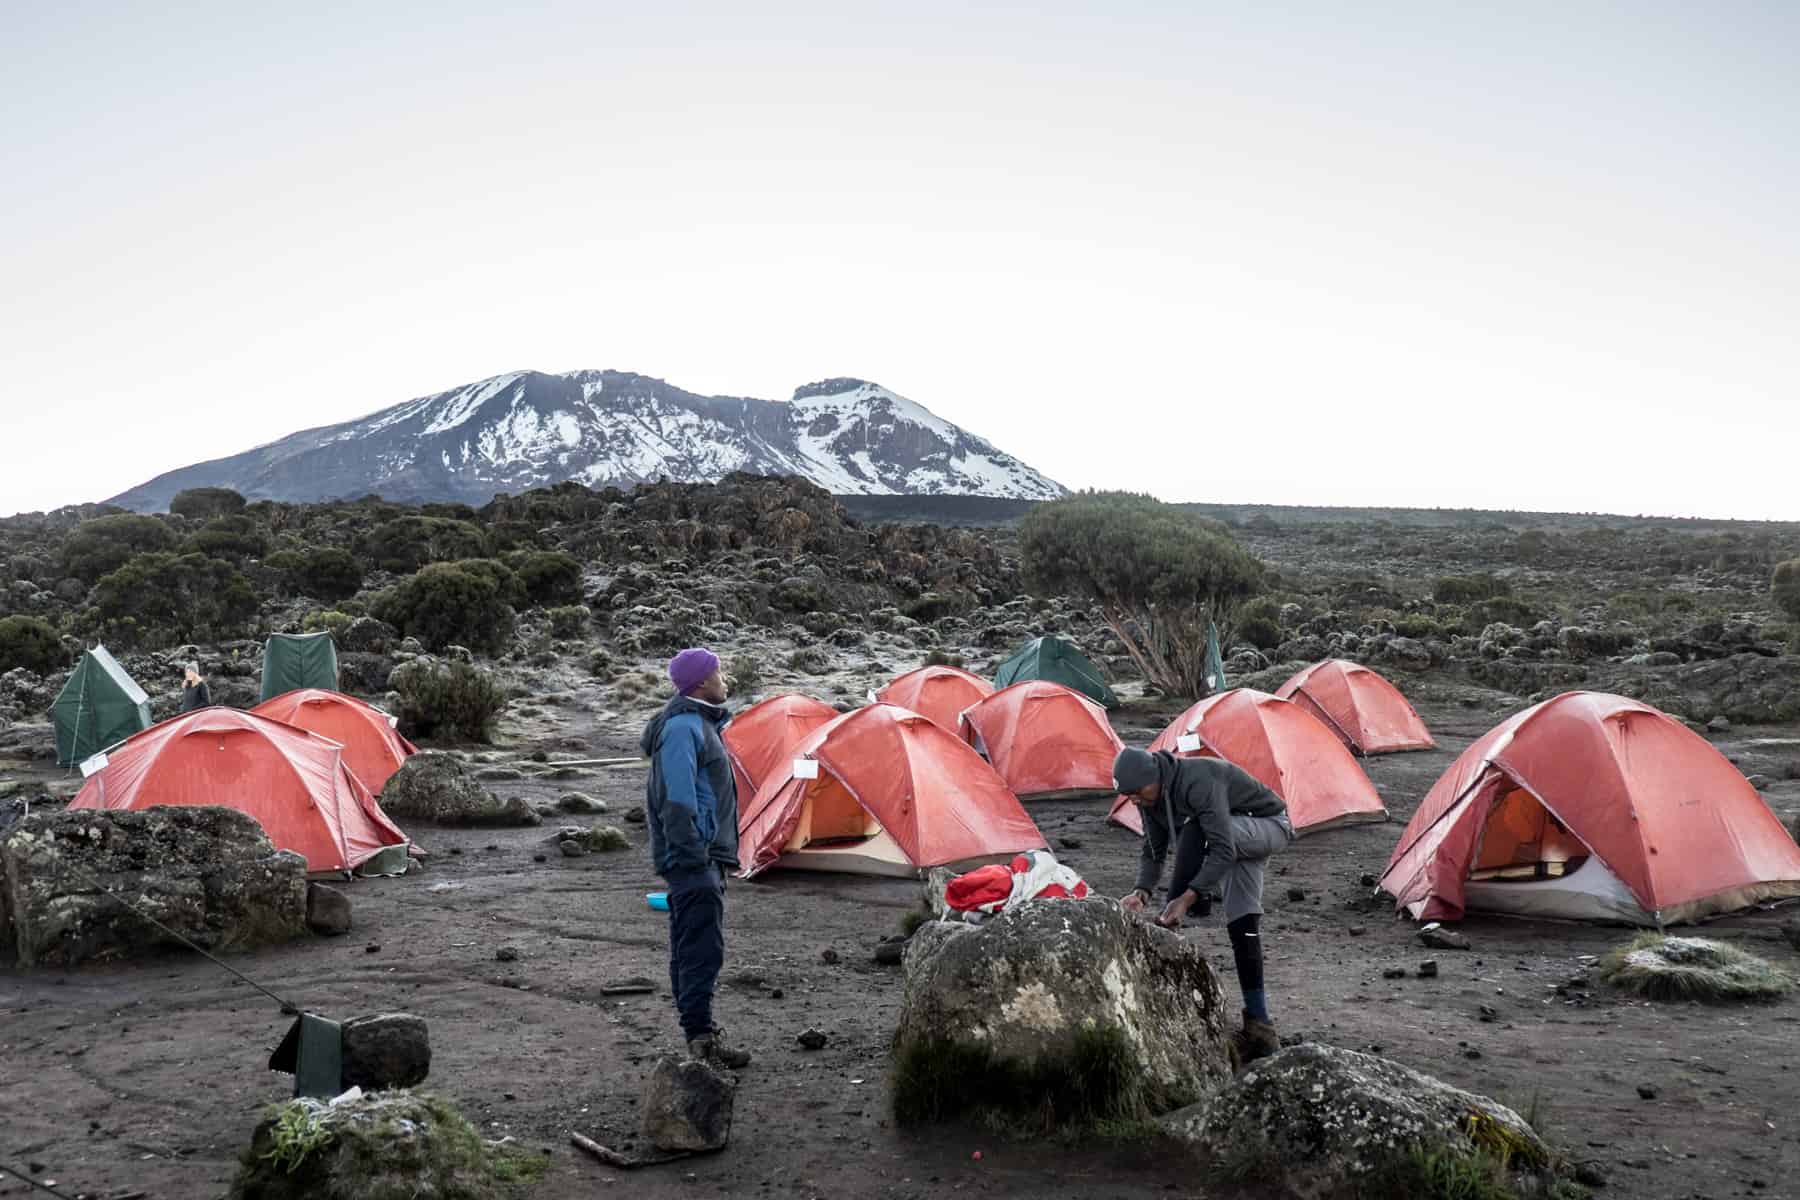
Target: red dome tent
point(1046, 741)
point(939, 694)
point(762, 738)
point(1591, 806)
point(371, 746)
point(882, 791)
point(294, 783)
point(1284, 746)
point(1358, 705)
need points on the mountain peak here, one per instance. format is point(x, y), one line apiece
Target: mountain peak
point(526, 429)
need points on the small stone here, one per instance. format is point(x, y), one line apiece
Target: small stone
point(634, 816)
point(776, 994)
point(1647, 1091)
point(372, 948)
point(1436, 937)
point(1428, 969)
point(573, 849)
point(1394, 973)
point(506, 954)
point(1471, 1053)
point(1069, 843)
point(540, 858)
point(1296, 894)
point(1357, 931)
point(1368, 879)
point(890, 951)
point(828, 956)
point(1590, 1174)
point(327, 910)
point(456, 849)
point(1759, 782)
point(1489, 1014)
point(811, 1039)
point(1719, 725)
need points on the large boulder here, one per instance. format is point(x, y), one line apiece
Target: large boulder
point(434, 786)
point(1072, 1004)
point(389, 1050)
point(1313, 1121)
point(379, 1146)
point(209, 873)
point(687, 1105)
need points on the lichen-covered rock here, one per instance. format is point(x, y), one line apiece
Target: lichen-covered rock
point(396, 1145)
point(1074, 1005)
point(596, 840)
point(389, 1050)
point(1315, 1121)
point(687, 1105)
point(209, 873)
point(434, 786)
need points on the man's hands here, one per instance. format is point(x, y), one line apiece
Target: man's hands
point(1135, 901)
point(1177, 909)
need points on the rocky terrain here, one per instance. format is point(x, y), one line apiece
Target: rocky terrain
point(149, 1074)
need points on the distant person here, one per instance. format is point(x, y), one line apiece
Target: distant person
point(691, 809)
point(193, 690)
point(1224, 825)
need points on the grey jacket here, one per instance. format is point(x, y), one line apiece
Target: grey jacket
point(1210, 791)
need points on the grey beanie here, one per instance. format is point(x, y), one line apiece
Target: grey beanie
point(1134, 770)
point(194, 667)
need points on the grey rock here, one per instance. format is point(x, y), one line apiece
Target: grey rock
point(327, 910)
point(1312, 1119)
point(506, 954)
point(434, 786)
point(209, 873)
point(1030, 989)
point(1647, 1091)
point(1428, 969)
point(687, 1106)
point(390, 1050)
point(811, 1039)
point(1438, 938)
point(890, 951)
point(1719, 725)
point(573, 849)
point(580, 802)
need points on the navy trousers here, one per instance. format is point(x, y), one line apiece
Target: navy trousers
point(696, 951)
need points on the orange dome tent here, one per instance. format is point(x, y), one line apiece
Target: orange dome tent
point(294, 783)
point(1591, 806)
point(1358, 705)
point(371, 746)
point(882, 791)
point(762, 737)
point(939, 694)
point(1284, 746)
point(1045, 740)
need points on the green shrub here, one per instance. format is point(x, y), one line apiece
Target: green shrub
point(235, 539)
point(499, 573)
point(450, 700)
point(168, 599)
point(30, 643)
point(744, 673)
point(1158, 574)
point(550, 578)
point(204, 503)
point(405, 544)
point(809, 660)
point(1259, 631)
point(445, 604)
point(1466, 589)
point(327, 621)
point(568, 620)
point(104, 544)
point(600, 663)
point(943, 658)
point(1785, 587)
point(328, 573)
point(1416, 625)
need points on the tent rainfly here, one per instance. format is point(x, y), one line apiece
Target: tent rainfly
point(100, 706)
point(1057, 660)
point(298, 660)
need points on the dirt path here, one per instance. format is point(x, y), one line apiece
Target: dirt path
point(148, 1076)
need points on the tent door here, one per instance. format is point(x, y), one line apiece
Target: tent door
point(1523, 841)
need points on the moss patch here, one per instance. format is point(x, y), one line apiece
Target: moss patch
point(1691, 968)
point(1099, 1086)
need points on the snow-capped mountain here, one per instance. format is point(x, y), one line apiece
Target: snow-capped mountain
point(529, 429)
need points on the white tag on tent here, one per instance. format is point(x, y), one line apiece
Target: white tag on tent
point(1212, 681)
point(90, 765)
point(873, 699)
point(393, 722)
point(1187, 743)
point(806, 768)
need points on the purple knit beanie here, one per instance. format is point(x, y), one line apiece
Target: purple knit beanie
point(691, 668)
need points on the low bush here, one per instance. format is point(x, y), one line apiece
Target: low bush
point(446, 604)
point(1785, 587)
point(104, 544)
point(568, 620)
point(745, 673)
point(168, 599)
point(327, 573)
point(405, 544)
point(1690, 968)
point(205, 503)
point(30, 643)
point(1467, 589)
point(450, 700)
point(549, 578)
point(236, 539)
point(324, 620)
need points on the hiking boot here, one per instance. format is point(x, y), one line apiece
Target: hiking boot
point(712, 1049)
point(1257, 1039)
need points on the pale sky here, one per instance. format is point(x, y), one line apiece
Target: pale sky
point(1533, 256)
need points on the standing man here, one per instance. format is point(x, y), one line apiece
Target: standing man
point(193, 690)
point(691, 809)
point(1224, 825)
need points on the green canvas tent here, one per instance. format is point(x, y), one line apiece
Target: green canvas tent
point(1215, 666)
point(100, 706)
point(298, 660)
point(1058, 661)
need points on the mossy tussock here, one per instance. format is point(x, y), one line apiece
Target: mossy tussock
point(1689, 968)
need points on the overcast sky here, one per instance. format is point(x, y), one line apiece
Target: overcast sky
point(1535, 256)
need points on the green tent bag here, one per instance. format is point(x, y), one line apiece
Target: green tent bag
point(304, 660)
point(100, 706)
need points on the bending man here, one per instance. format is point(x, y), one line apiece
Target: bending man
point(1224, 825)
